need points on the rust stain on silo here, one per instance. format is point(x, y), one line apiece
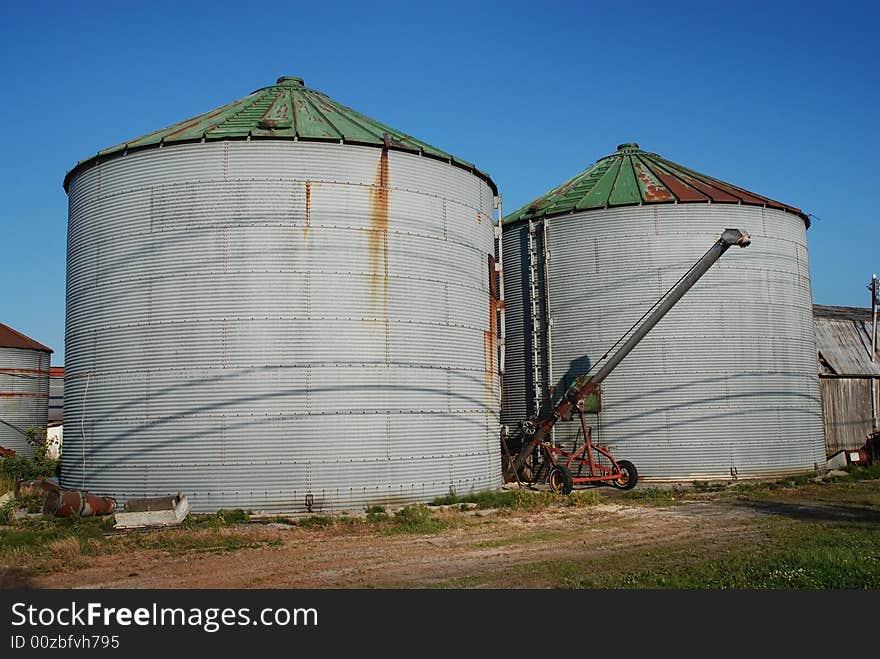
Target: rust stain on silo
point(378, 239)
point(308, 210)
point(378, 245)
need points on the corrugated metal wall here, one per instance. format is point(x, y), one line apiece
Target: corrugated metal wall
point(252, 322)
point(56, 395)
point(846, 408)
point(727, 381)
point(24, 396)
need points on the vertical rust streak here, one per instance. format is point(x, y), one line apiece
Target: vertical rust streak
point(378, 245)
point(308, 209)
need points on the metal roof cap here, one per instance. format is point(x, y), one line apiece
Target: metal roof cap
point(631, 177)
point(286, 110)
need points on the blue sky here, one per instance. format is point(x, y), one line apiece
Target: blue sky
point(778, 97)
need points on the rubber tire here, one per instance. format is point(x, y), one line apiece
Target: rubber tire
point(560, 480)
point(628, 468)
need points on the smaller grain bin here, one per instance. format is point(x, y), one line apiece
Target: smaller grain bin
point(725, 386)
point(24, 389)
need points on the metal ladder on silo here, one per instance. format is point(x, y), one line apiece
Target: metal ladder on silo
point(537, 384)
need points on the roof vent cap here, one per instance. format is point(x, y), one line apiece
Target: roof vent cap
point(290, 81)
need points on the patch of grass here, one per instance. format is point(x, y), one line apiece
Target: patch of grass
point(816, 536)
point(44, 544)
point(316, 522)
point(871, 472)
point(377, 514)
point(416, 519)
point(7, 483)
point(834, 558)
point(522, 499)
point(274, 520)
point(236, 516)
point(216, 520)
point(7, 513)
point(189, 540)
point(707, 486)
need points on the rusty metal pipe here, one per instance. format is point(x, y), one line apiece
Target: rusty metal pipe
point(76, 503)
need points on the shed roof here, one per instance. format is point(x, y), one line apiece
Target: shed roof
point(631, 177)
point(286, 110)
point(843, 340)
point(9, 338)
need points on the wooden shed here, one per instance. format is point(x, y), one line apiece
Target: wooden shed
point(843, 341)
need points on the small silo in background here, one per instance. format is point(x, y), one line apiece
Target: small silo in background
point(56, 394)
point(280, 305)
point(726, 385)
point(24, 389)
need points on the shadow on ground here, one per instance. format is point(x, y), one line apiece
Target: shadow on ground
point(821, 512)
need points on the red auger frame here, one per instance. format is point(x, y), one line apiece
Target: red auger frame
point(567, 468)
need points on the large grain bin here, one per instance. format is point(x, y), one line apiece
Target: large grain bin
point(24, 389)
point(280, 305)
point(725, 386)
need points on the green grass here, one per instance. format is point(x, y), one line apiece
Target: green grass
point(417, 519)
point(187, 540)
point(522, 499)
point(277, 519)
point(377, 514)
point(842, 556)
point(808, 536)
point(7, 483)
point(216, 520)
point(39, 545)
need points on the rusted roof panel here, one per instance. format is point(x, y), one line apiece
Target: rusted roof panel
point(285, 110)
point(9, 338)
point(632, 176)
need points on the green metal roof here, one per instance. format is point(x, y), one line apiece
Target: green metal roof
point(285, 110)
point(631, 177)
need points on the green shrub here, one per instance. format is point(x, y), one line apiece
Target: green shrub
point(26, 469)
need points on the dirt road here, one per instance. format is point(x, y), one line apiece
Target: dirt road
point(481, 550)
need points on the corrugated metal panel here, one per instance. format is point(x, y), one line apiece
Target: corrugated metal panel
point(56, 394)
point(845, 346)
point(728, 379)
point(635, 177)
point(517, 390)
point(285, 110)
point(846, 407)
point(253, 321)
point(24, 396)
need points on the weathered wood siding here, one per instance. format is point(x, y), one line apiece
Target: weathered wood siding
point(846, 408)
